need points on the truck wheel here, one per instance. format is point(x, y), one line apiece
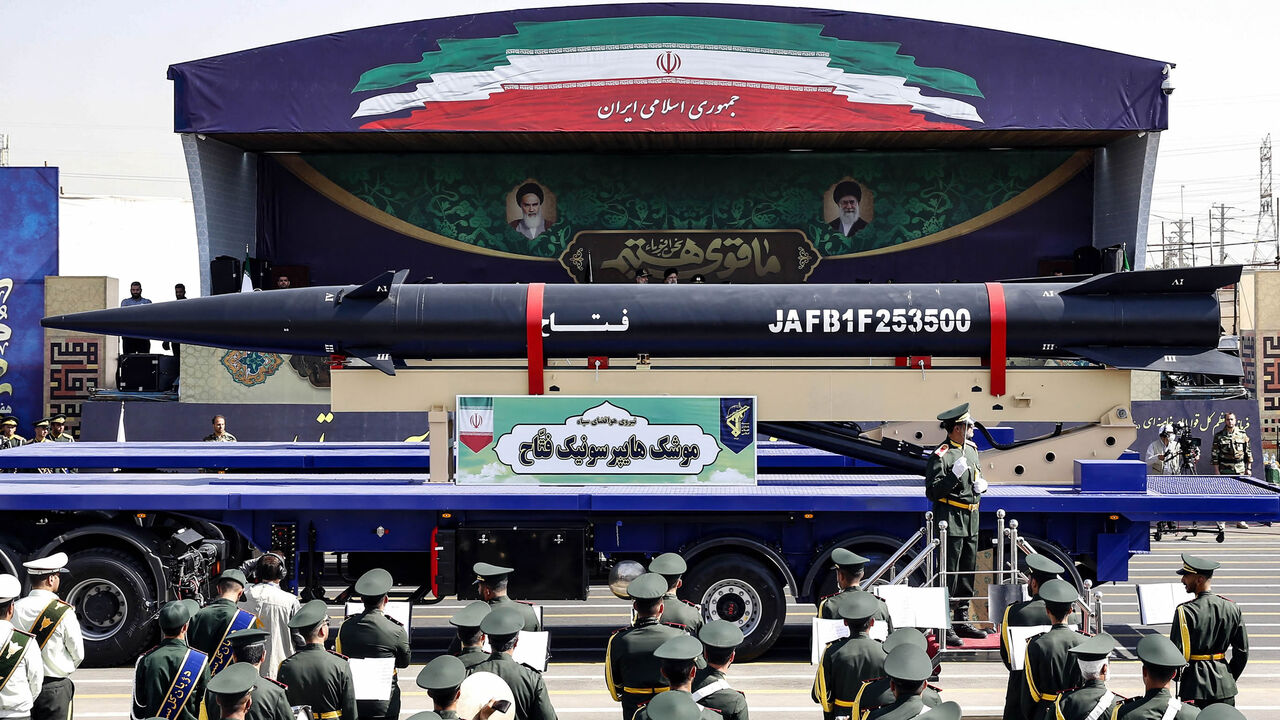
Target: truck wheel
point(111, 592)
point(743, 591)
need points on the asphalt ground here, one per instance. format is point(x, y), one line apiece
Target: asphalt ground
point(778, 684)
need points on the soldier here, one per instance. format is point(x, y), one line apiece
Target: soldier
point(1027, 613)
point(270, 700)
point(374, 634)
point(442, 679)
point(57, 633)
point(1203, 630)
point(720, 641)
point(233, 691)
point(850, 568)
point(1049, 668)
point(1231, 454)
point(40, 431)
point(1092, 700)
point(878, 692)
point(502, 626)
point(676, 663)
point(315, 676)
point(674, 610)
point(219, 433)
point(169, 680)
point(955, 485)
point(850, 661)
point(469, 640)
point(57, 429)
point(9, 437)
point(493, 580)
point(631, 672)
point(21, 669)
point(908, 667)
point(221, 617)
point(273, 607)
point(1161, 661)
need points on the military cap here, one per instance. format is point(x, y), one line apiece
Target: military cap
point(375, 583)
point(905, 636)
point(247, 636)
point(9, 420)
point(10, 587)
point(502, 621)
point(42, 422)
point(909, 663)
point(470, 616)
point(310, 615)
point(1058, 591)
point(847, 559)
point(444, 673)
point(236, 680)
point(193, 607)
point(1043, 566)
point(1098, 647)
point(668, 564)
point(957, 414)
point(720, 634)
point(1221, 711)
point(1160, 651)
point(425, 715)
point(58, 420)
point(649, 586)
point(1192, 565)
point(674, 706)
point(236, 575)
point(172, 616)
point(680, 647)
point(643, 272)
point(860, 606)
point(949, 710)
point(486, 573)
point(55, 563)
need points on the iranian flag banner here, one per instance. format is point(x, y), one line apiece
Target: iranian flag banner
point(663, 74)
point(475, 422)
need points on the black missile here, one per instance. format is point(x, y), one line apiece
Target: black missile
point(1149, 320)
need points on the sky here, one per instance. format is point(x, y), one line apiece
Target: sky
point(83, 86)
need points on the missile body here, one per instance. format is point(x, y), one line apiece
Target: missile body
point(1159, 320)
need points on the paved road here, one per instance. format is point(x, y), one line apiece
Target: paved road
point(777, 685)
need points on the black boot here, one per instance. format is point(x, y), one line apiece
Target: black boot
point(961, 625)
point(953, 640)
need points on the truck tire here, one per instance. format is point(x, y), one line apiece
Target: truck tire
point(741, 590)
point(111, 592)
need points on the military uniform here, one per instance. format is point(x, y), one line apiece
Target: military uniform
point(445, 675)
point(57, 632)
point(209, 626)
point(848, 662)
point(1203, 630)
point(270, 700)
point(829, 606)
point(956, 497)
point(1092, 700)
point(315, 676)
point(527, 687)
point(20, 663)
point(12, 441)
point(704, 713)
point(1231, 454)
point(1157, 654)
point(373, 634)
point(710, 687)
point(468, 621)
point(492, 574)
point(673, 705)
point(1049, 666)
point(674, 610)
point(908, 664)
point(878, 692)
point(1026, 613)
point(170, 665)
point(631, 672)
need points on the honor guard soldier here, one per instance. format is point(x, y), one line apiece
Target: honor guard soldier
point(674, 610)
point(879, 693)
point(234, 692)
point(1161, 661)
point(676, 663)
point(221, 617)
point(1092, 700)
point(169, 680)
point(270, 701)
point(850, 661)
point(850, 568)
point(503, 626)
point(442, 679)
point(908, 668)
point(21, 668)
point(9, 437)
point(374, 634)
point(1049, 668)
point(468, 644)
point(57, 633)
point(1204, 629)
point(955, 485)
point(1026, 613)
point(631, 672)
point(720, 641)
point(316, 677)
point(493, 580)
point(58, 429)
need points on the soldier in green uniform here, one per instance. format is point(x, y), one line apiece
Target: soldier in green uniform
point(210, 626)
point(468, 643)
point(1049, 668)
point(631, 672)
point(720, 640)
point(58, 429)
point(676, 663)
point(232, 692)
point(1026, 613)
point(442, 679)
point(674, 610)
point(219, 433)
point(955, 485)
point(9, 437)
point(270, 701)
point(1204, 629)
point(850, 661)
point(492, 581)
point(878, 692)
point(169, 680)
point(1092, 700)
point(850, 568)
point(503, 625)
point(908, 668)
point(315, 676)
point(40, 431)
point(1231, 454)
point(1161, 661)
point(374, 634)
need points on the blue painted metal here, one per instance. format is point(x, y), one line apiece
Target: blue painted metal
point(1108, 476)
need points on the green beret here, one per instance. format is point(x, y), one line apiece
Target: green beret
point(470, 616)
point(905, 636)
point(1098, 647)
point(1058, 591)
point(1041, 565)
point(310, 615)
point(649, 586)
point(425, 715)
point(1221, 711)
point(503, 621)
point(486, 573)
point(1192, 565)
point(236, 680)
point(375, 583)
point(236, 575)
point(720, 634)
point(1160, 651)
point(944, 711)
point(673, 706)
point(860, 605)
point(248, 636)
point(908, 663)
point(848, 560)
point(173, 616)
point(957, 414)
point(444, 673)
point(680, 647)
point(668, 564)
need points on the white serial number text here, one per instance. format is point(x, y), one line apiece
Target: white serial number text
point(880, 320)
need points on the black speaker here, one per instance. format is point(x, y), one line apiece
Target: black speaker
point(146, 372)
point(224, 275)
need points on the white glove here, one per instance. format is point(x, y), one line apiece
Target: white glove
point(980, 484)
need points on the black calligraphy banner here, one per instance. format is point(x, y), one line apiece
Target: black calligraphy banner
point(719, 256)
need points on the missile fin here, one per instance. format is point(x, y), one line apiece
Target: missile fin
point(380, 359)
point(377, 288)
point(1173, 280)
point(1165, 359)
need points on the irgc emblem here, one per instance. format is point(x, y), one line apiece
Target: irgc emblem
point(251, 368)
point(737, 423)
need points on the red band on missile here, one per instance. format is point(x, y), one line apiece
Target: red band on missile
point(533, 336)
point(995, 303)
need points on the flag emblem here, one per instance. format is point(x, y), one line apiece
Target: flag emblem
point(475, 422)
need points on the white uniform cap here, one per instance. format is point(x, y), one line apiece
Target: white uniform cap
point(10, 588)
point(56, 562)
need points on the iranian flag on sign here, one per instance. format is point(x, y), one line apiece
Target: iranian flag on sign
point(475, 422)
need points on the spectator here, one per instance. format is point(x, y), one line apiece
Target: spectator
point(219, 433)
point(671, 277)
point(274, 607)
point(283, 282)
point(1164, 456)
point(130, 345)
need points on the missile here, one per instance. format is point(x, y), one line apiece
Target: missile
point(1149, 320)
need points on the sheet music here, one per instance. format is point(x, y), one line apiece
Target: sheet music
point(917, 607)
point(401, 610)
point(372, 677)
point(1157, 602)
point(532, 649)
point(1019, 636)
point(825, 631)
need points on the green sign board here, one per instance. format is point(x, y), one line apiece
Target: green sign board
point(575, 440)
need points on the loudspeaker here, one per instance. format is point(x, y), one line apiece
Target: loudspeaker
point(146, 372)
point(224, 275)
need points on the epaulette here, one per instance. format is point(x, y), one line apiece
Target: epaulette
point(677, 626)
point(532, 668)
point(692, 605)
point(393, 620)
point(942, 450)
point(277, 682)
point(615, 632)
point(337, 654)
point(1224, 597)
point(522, 602)
point(157, 647)
point(828, 597)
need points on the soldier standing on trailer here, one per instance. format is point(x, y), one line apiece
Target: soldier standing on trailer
point(57, 631)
